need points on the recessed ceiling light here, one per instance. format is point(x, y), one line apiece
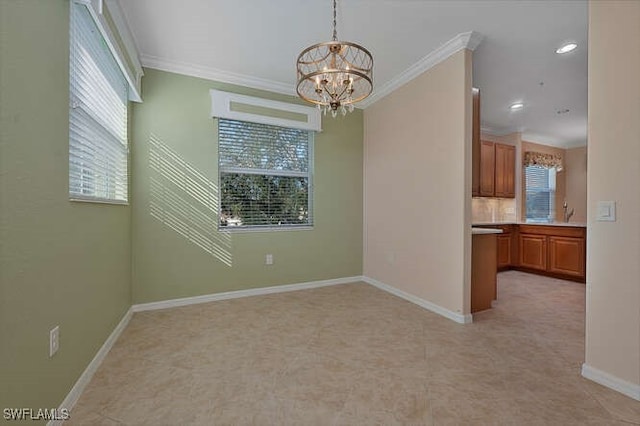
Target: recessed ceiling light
point(566, 48)
point(516, 106)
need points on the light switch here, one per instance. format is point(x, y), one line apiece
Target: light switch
point(606, 211)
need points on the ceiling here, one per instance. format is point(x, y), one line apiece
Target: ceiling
point(256, 43)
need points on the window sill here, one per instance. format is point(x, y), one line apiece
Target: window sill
point(242, 229)
point(98, 201)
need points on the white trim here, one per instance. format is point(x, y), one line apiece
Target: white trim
point(430, 306)
point(263, 228)
point(469, 40)
point(75, 392)
point(172, 303)
point(632, 390)
point(127, 39)
point(96, 10)
point(221, 108)
point(217, 75)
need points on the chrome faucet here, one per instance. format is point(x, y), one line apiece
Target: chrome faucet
point(567, 214)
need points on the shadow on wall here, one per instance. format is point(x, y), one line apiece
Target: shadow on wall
point(186, 201)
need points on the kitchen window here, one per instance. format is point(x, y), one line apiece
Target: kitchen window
point(540, 194)
point(98, 149)
point(265, 176)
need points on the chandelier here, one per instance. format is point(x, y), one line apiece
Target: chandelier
point(335, 74)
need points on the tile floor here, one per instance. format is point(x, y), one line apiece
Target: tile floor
point(353, 354)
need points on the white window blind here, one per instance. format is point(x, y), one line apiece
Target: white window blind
point(265, 175)
point(540, 193)
point(98, 149)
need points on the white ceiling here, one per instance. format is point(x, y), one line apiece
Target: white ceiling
point(256, 42)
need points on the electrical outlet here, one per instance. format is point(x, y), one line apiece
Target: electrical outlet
point(268, 259)
point(54, 340)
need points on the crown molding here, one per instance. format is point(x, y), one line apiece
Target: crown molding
point(192, 70)
point(469, 40)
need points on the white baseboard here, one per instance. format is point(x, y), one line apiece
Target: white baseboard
point(87, 374)
point(172, 303)
point(454, 316)
point(629, 389)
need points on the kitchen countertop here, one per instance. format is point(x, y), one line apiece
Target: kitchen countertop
point(573, 224)
point(481, 231)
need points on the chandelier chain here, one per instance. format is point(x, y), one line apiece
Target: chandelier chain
point(335, 31)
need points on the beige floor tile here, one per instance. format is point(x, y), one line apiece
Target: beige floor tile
point(618, 405)
point(355, 355)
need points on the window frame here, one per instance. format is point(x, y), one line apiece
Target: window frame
point(241, 170)
point(81, 16)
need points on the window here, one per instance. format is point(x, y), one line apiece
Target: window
point(540, 193)
point(98, 151)
point(265, 175)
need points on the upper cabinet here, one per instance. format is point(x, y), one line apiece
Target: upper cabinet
point(493, 164)
point(487, 169)
point(497, 170)
point(475, 145)
point(505, 174)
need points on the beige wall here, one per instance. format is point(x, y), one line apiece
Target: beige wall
point(613, 248)
point(418, 186)
point(61, 263)
point(575, 162)
point(560, 178)
point(177, 249)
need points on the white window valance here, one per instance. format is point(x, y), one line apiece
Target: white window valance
point(112, 26)
point(265, 111)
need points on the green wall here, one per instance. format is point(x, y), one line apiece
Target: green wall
point(176, 247)
point(61, 263)
point(70, 264)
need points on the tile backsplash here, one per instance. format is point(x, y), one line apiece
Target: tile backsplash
point(485, 210)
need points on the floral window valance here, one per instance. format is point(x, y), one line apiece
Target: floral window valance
point(548, 161)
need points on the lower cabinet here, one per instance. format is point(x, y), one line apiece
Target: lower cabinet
point(558, 251)
point(566, 256)
point(483, 271)
point(504, 251)
point(533, 251)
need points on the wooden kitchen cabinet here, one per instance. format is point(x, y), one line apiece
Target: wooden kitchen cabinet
point(475, 145)
point(496, 169)
point(558, 251)
point(505, 245)
point(533, 252)
point(504, 251)
point(493, 165)
point(566, 256)
point(505, 164)
point(483, 271)
point(487, 169)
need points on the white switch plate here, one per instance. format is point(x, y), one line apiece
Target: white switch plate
point(268, 259)
point(54, 340)
point(606, 211)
